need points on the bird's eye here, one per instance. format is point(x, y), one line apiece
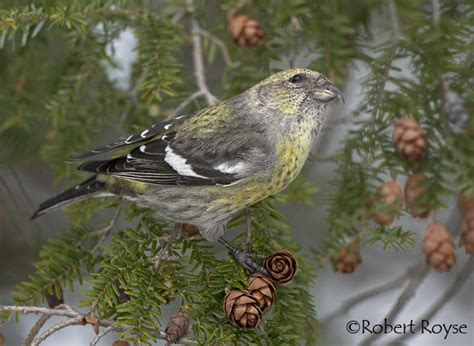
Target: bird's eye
point(296, 78)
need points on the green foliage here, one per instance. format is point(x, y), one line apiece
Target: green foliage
point(60, 263)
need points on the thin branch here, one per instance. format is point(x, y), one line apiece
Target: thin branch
point(407, 294)
point(392, 9)
point(36, 329)
point(248, 227)
point(218, 42)
point(56, 328)
point(458, 283)
point(103, 333)
point(368, 294)
point(436, 12)
point(199, 70)
point(104, 232)
point(74, 318)
point(66, 311)
point(418, 276)
point(185, 103)
point(237, 7)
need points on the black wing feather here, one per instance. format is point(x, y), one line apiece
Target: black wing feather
point(136, 138)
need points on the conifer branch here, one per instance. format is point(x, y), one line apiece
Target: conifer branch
point(74, 318)
point(417, 278)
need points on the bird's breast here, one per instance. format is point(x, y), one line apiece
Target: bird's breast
point(292, 154)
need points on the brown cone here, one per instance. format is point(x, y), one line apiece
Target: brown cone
point(438, 246)
point(242, 309)
point(262, 289)
point(389, 203)
point(467, 233)
point(466, 204)
point(415, 187)
point(410, 139)
point(348, 260)
point(281, 267)
point(120, 343)
point(178, 326)
point(189, 230)
point(52, 299)
point(245, 31)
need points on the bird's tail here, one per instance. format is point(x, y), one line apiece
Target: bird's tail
point(86, 189)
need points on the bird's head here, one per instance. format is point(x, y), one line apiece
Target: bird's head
point(295, 90)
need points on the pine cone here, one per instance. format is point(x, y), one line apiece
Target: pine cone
point(467, 233)
point(415, 187)
point(281, 267)
point(410, 139)
point(438, 246)
point(348, 260)
point(52, 299)
point(262, 289)
point(466, 204)
point(122, 296)
point(245, 31)
point(120, 343)
point(189, 230)
point(178, 326)
point(242, 309)
point(389, 203)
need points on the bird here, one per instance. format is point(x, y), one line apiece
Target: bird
point(205, 167)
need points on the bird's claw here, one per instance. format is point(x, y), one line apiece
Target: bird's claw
point(245, 258)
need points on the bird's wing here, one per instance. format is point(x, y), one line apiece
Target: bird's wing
point(203, 150)
point(136, 138)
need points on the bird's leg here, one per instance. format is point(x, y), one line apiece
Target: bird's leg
point(245, 259)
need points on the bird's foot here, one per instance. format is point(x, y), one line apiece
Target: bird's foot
point(245, 259)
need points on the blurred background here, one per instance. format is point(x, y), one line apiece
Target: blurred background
point(26, 182)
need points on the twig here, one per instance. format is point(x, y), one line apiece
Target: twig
point(74, 318)
point(392, 9)
point(104, 232)
point(248, 227)
point(56, 328)
point(161, 255)
point(368, 294)
point(199, 71)
point(66, 311)
point(133, 95)
point(218, 42)
point(185, 103)
point(455, 287)
point(36, 329)
point(99, 336)
point(237, 7)
point(402, 300)
point(436, 12)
